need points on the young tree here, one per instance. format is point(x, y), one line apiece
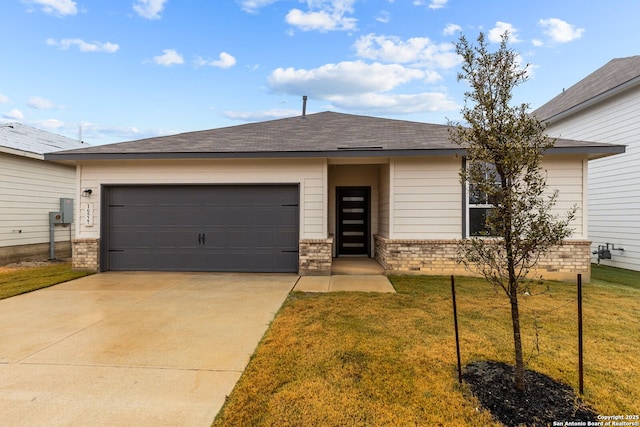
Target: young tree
point(504, 147)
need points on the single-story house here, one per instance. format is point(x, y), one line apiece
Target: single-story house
point(289, 195)
point(605, 107)
point(30, 188)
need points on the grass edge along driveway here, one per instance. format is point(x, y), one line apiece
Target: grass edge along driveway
point(349, 359)
point(22, 280)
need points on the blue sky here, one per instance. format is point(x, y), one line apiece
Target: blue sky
point(131, 69)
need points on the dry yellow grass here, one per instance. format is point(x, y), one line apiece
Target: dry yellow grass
point(16, 281)
point(355, 359)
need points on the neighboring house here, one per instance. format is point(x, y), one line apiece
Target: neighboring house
point(605, 107)
point(30, 188)
point(288, 195)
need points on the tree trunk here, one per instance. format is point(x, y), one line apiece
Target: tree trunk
point(513, 281)
point(517, 340)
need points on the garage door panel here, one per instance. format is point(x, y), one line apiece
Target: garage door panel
point(158, 260)
point(263, 261)
point(152, 216)
point(270, 238)
point(152, 238)
point(287, 216)
point(202, 228)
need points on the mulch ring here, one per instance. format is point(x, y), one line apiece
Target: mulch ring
point(543, 401)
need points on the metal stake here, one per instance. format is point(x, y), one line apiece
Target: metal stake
point(580, 349)
point(455, 322)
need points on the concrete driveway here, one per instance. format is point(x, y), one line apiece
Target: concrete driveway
point(123, 349)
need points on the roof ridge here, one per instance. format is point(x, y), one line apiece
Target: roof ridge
point(601, 83)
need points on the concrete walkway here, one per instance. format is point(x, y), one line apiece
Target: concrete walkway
point(131, 349)
point(351, 283)
point(348, 274)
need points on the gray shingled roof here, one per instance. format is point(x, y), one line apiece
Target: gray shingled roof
point(616, 75)
point(19, 138)
point(326, 134)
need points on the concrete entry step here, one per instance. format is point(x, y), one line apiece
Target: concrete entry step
point(356, 266)
point(345, 283)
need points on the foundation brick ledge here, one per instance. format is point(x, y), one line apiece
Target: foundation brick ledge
point(86, 254)
point(315, 257)
point(439, 257)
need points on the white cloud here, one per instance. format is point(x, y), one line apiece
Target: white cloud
point(96, 131)
point(323, 15)
point(495, 34)
point(149, 9)
point(451, 29)
point(560, 31)
point(55, 7)
point(437, 4)
point(97, 134)
point(433, 4)
point(522, 64)
point(4, 99)
point(414, 50)
point(320, 21)
point(84, 46)
point(257, 116)
point(252, 6)
point(537, 42)
point(168, 58)
point(362, 87)
point(320, 15)
point(40, 103)
point(376, 103)
point(344, 78)
point(384, 17)
point(369, 103)
point(51, 124)
point(225, 61)
point(14, 114)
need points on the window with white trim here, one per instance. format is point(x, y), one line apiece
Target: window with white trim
point(479, 204)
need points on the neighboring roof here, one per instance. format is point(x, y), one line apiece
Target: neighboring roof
point(324, 134)
point(23, 140)
point(617, 75)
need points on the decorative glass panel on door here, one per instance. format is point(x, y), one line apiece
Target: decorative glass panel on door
point(353, 220)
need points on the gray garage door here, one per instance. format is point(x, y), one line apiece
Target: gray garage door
point(201, 228)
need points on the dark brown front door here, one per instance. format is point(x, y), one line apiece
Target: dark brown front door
point(353, 220)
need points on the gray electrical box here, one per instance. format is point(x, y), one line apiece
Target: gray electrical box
point(55, 218)
point(66, 208)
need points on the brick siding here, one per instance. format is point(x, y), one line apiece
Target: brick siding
point(86, 254)
point(439, 257)
point(315, 257)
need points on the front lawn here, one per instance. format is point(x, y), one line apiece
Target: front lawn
point(20, 281)
point(356, 359)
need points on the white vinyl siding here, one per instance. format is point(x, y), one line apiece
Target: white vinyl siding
point(567, 174)
point(309, 174)
point(29, 190)
point(383, 201)
point(427, 195)
point(427, 198)
point(614, 182)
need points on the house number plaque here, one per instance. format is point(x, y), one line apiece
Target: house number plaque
point(87, 214)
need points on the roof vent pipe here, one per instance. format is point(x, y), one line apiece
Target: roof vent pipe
point(304, 106)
